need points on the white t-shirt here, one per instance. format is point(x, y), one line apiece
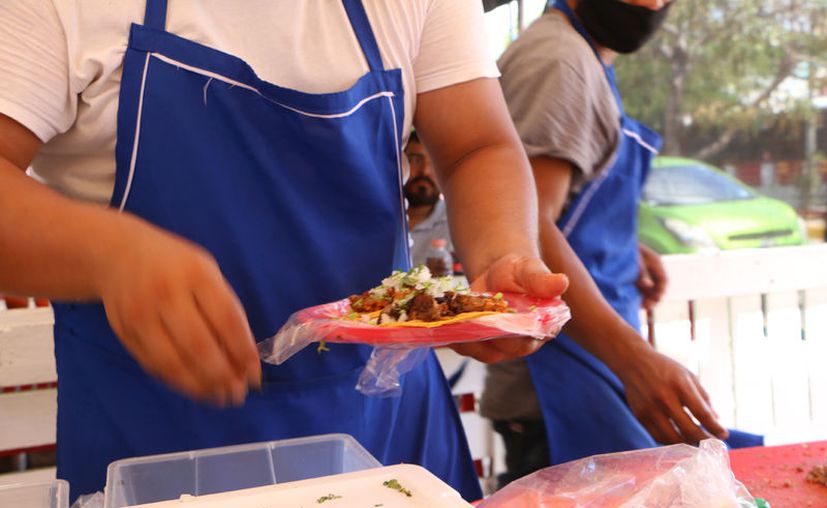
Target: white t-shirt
point(60, 62)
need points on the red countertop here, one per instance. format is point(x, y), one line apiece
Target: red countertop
point(777, 473)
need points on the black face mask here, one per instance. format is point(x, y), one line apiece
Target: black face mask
point(619, 26)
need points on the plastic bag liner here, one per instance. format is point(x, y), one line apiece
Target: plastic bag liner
point(398, 349)
point(95, 500)
point(677, 476)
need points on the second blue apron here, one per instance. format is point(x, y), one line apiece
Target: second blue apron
point(582, 401)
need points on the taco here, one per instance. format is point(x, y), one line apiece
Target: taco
point(416, 299)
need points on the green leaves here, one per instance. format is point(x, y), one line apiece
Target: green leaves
point(394, 484)
point(719, 66)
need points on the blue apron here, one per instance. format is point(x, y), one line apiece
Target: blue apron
point(299, 198)
point(582, 401)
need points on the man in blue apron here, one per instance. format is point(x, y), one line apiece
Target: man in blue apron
point(236, 202)
point(599, 387)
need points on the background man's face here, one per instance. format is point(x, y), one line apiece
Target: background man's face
point(421, 188)
point(623, 26)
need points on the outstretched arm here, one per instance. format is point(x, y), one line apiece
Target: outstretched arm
point(658, 389)
point(492, 204)
point(164, 296)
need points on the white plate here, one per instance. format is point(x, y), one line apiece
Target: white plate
point(362, 489)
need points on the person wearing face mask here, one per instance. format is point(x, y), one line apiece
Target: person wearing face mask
point(599, 387)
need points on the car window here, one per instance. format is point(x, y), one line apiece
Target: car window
point(690, 185)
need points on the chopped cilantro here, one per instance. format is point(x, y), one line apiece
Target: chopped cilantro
point(322, 347)
point(329, 497)
point(394, 484)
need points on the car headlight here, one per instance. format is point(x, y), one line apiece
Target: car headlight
point(689, 235)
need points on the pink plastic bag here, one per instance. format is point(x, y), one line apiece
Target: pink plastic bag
point(677, 476)
point(399, 349)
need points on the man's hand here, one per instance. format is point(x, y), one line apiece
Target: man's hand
point(492, 211)
point(652, 279)
point(516, 274)
point(665, 397)
point(176, 314)
point(164, 296)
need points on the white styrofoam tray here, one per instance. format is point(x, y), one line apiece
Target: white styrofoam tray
point(362, 489)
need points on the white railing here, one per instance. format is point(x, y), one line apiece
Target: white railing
point(28, 398)
point(752, 324)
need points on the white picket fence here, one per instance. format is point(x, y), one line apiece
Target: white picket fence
point(28, 399)
point(752, 324)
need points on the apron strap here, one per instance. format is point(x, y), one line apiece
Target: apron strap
point(364, 33)
point(156, 14)
point(563, 6)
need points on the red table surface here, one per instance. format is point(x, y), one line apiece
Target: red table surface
point(777, 473)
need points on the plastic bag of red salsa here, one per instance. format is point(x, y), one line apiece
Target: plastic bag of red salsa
point(676, 476)
point(398, 349)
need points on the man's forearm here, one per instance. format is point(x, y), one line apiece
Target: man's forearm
point(482, 170)
point(594, 324)
point(487, 225)
point(50, 245)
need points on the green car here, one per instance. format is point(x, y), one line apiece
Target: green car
point(689, 206)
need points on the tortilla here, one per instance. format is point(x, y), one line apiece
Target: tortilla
point(421, 301)
point(418, 323)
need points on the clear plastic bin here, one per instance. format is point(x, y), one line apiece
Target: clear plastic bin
point(166, 477)
point(362, 489)
point(54, 494)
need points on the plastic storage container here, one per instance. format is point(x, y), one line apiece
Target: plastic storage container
point(166, 477)
point(400, 486)
point(54, 494)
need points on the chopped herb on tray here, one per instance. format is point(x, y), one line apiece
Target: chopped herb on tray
point(394, 484)
point(329, 497)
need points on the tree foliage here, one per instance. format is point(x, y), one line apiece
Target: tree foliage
point(726, 68)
